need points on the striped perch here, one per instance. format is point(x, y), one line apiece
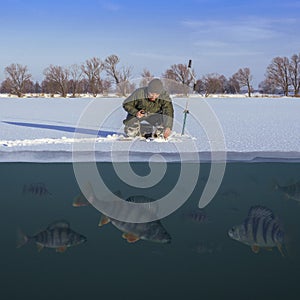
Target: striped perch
point(36, 189)
point(261, 229)
point(152, 231)
point(57, 235)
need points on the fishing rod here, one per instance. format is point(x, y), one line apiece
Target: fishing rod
point(186, 110)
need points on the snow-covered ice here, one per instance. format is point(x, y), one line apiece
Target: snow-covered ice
point(53, 129)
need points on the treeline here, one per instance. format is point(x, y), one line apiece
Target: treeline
point(96, 76)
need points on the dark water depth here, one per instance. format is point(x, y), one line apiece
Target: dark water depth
point(201, 262)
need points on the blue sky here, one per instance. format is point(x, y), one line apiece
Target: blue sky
point(220, 37)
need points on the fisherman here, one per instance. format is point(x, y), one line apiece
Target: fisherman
point(149, 111)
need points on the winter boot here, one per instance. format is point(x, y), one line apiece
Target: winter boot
point(159, 132)
point(132, 130)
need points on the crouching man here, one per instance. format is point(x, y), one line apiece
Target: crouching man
point(150, 111)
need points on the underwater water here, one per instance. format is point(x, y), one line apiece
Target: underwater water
point(200, 261)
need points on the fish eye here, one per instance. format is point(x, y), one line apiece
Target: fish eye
point(231, 231)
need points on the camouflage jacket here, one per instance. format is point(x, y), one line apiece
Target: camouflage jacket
point(138, 100)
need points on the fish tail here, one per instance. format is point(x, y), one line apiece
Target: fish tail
point(103, 221)
point(280, 249)
point(22, 238)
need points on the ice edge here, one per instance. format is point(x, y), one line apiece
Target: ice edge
point(60, 156)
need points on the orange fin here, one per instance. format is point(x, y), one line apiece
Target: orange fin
point(104, 220)
point(280, 249)
point(131, 238)
point(61, 249)
point(255, 248)
point(80, 201)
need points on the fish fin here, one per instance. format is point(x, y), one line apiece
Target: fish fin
point(131, 238)
point(61, 249)
point(80, 201)
point(255, 248)
point(104, 220)
point(260, 211)
point(59, 224)
point(279, 246)
point(22, 238)
point(268, 248)
point(89, 193)
point(40, 247)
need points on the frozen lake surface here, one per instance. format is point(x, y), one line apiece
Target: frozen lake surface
point(52, 129)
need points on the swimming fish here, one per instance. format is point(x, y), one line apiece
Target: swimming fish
point(261, 229)
point(81, 201)
point(206, 247)
point(197, 215)
point(291, 191)
point(57, 235)
point(37, 189)
point(138, 199)
point(132, 232)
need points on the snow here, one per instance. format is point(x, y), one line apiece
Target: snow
point(81, 129)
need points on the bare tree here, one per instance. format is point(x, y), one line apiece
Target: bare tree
point(146, 77)
point(267, 87)
point(76, 74)
point(6, 86)
point(180, 73)
point(110, 66)
point(244, 78)
point(37, 88)
point(18, 76)
point(124, 86)
point(278, 74)
point(29, 86)
point(233, 86)
point(121, 76)
point(84, 85)
point(200, 87)
point(294, 73)
point(106, 85)
point(58, 78)
point(214, 84)
point(49, 87)
point(92, 68)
